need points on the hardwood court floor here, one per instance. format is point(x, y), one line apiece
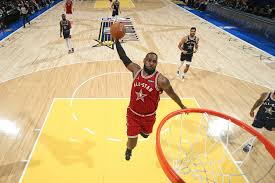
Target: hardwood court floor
point(35, 68)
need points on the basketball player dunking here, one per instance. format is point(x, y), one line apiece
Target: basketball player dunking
point(65, 27)
point(265, 117)
point(115, 7)
point(188, 45)
point(147, 86)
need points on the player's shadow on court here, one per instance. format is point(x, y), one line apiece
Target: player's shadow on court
point(68, 152)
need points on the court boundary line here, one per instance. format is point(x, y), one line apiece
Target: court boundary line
point(94, 77)
point(36, 142)
point(47, 117)
point(91, 62)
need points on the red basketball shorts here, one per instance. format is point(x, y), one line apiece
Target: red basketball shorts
point(69, 9)
point(137, 124)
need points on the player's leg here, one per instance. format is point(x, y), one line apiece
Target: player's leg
point(257, 125)
point(66, 35)
point(249, 145)
point(182, 58)
point(270, 124)
point(144, 135)
point(28, 19)
point(187, 65)
point(113, 13)
point(131, 144)
point(133, 129)
point(179, 68)
point(24, 20)
point(147, 126)
point(68, 45)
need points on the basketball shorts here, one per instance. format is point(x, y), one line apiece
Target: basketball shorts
point(186, 57)
point(267, 123)
point(137, 124)
point(115, 13)
point(66, 34)
point(69, 10)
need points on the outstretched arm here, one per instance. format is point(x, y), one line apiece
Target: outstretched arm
point(60, 29)
point(131, 66)
point(165, 85)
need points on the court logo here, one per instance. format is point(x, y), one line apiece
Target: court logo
point(104, 36)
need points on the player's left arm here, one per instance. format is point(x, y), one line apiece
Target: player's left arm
point(258, 103)
point(165, 85)
point(61, 29)
point(70, 25)
point(197, 45)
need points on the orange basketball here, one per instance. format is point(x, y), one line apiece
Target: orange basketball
point(117, 30)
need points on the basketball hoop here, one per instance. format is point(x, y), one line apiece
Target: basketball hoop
point(207, 146)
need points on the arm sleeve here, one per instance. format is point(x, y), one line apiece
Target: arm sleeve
point(122, 55)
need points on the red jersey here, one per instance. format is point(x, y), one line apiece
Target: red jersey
point(69, 7)
point(145, 94)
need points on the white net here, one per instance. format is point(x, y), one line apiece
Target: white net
point(205, 148)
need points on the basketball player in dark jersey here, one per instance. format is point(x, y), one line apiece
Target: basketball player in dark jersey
point(115, 8)
point(65, 26)
point(265, 117)
point(188, 45)
point(147, 86)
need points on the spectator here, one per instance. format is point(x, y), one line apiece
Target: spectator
point(24, 13)
point(257, 7)
point(272, 12)
point(2, 19)
point(10, 10)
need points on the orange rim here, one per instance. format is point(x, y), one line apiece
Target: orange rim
point(168, 170)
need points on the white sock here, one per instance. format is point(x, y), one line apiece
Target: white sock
point(180, 65)
point(70, 44)
point(252, 141)
point(67, 42)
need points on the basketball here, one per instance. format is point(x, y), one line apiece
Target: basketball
point(117, 30)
